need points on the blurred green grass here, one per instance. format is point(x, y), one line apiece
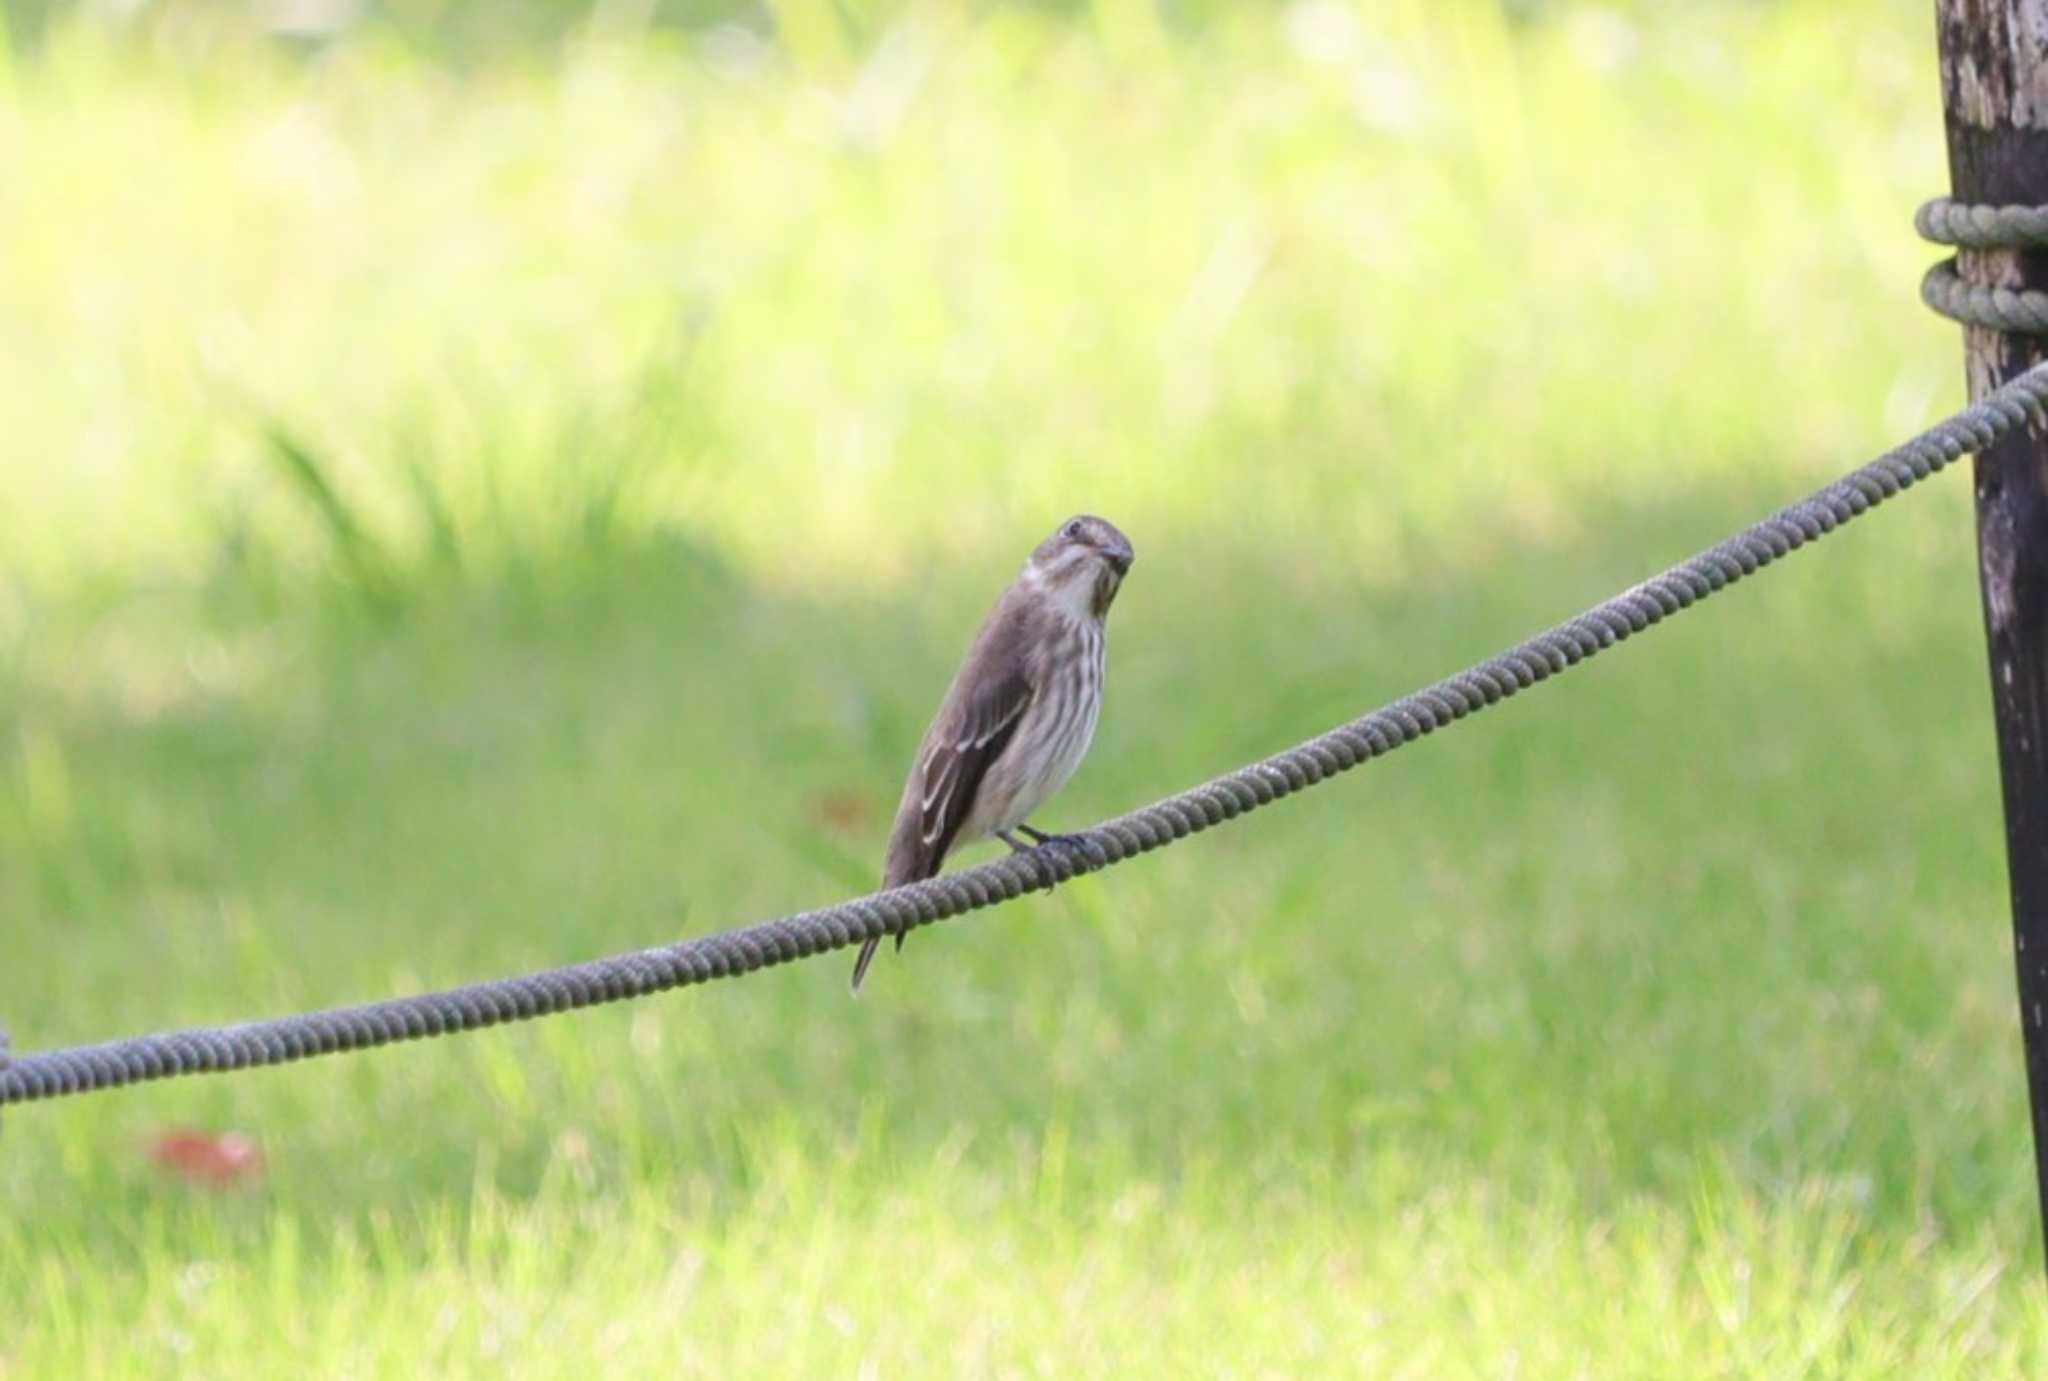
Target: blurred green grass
point(465, 516)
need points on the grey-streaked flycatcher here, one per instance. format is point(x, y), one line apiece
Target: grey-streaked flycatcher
point(1020, 713)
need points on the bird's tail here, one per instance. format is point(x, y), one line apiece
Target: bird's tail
point(867, 957)
point(903, 866)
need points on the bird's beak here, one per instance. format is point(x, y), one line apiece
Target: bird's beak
point(1119, 559)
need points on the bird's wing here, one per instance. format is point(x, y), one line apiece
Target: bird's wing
point(980, 715)
point(955, 758)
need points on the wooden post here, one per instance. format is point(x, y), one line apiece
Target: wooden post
point(1994, 94)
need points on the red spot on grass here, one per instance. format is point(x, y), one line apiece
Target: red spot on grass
point(844, 810)
point(212, 1162)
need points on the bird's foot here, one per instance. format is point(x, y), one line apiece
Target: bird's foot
point(1074, 849)
point(1063, 841)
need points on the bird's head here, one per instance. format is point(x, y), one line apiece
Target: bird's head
point(1082, 564)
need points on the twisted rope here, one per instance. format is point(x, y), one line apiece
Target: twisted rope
point(56, 1073)
point(1966, 226)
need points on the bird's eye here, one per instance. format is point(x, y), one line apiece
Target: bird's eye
point(1074, 530)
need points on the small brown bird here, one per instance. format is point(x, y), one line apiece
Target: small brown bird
point(1018, 717)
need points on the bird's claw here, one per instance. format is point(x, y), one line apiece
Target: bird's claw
point(1070, 847)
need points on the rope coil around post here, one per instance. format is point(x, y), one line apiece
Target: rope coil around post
point(1967, 226)
point(59, 1073)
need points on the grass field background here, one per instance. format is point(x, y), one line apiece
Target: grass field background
point(478, 496)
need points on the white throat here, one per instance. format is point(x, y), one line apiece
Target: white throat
point(1074, 596)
